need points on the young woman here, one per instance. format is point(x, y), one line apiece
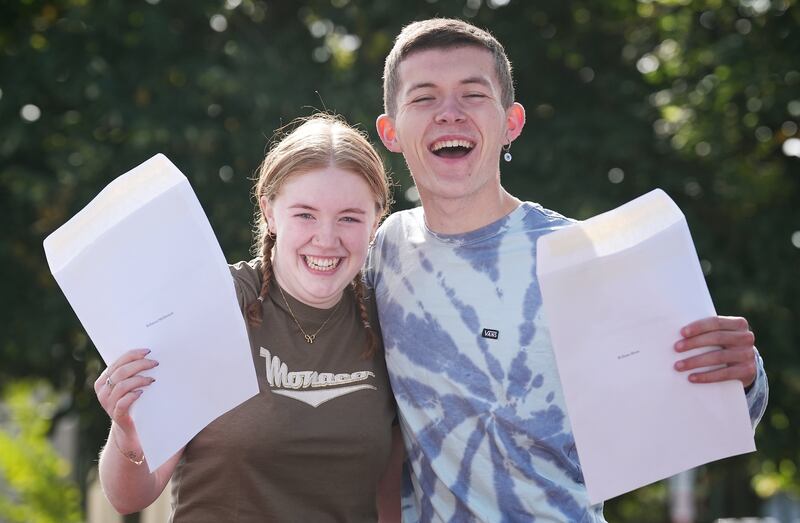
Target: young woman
point(317, 443)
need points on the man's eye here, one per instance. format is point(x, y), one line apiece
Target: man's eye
point(475, 95)
point(422, 99)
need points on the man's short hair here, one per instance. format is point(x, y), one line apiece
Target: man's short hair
point(443, 33)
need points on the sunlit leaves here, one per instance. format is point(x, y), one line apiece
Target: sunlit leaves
point(36, 480)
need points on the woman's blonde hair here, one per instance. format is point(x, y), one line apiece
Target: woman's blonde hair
point(316, 142)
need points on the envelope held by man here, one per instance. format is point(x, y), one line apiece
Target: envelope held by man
point(616, 290)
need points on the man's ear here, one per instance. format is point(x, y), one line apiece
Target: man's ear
point(515, 121)
point(387, 132)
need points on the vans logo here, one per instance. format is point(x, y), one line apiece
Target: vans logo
point(490, 333)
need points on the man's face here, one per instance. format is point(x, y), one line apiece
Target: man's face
point(450, 124)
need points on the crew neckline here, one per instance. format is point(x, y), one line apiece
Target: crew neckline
point(481, 233)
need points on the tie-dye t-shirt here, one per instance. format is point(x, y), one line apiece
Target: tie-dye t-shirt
point(474, 375)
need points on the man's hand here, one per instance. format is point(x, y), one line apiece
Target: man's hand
point(736, 352)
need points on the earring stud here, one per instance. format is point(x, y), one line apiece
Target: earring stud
point(507, 152)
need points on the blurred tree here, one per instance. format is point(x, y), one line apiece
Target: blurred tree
point(698, 98)
point(35, 482)
point(725, 81)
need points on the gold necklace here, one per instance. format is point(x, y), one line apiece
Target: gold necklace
point(309, 337)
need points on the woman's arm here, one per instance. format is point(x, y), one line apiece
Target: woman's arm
point(128, 486)
point(126, 480)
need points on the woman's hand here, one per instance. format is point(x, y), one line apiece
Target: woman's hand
point(129, 486)
point(121, 384)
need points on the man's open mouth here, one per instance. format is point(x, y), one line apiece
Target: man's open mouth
point(452, 148)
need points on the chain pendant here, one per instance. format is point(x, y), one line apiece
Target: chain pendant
point(308, 337)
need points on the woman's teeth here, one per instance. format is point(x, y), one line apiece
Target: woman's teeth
point(321, 264)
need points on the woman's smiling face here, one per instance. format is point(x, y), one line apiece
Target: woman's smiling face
point(323, 221)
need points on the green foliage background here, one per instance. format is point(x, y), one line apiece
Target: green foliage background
point(697, 98)
point(37, 487)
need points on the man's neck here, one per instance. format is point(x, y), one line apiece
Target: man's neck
point(460, 215)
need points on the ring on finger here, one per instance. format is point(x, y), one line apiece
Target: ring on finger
point(110, 384)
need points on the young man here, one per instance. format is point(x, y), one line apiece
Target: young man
point(469, 354)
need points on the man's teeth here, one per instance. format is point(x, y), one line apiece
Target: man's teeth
point(322, 264)
point(452, 143)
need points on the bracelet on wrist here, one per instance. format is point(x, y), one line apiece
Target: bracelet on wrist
point(129, 454)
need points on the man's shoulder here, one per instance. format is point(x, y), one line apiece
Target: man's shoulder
point(539, 216)
point(404, 219)
point(406, 214)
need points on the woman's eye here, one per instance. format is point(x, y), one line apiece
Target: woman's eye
point(350, 219)
point(305, 216)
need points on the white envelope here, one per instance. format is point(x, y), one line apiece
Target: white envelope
point(141, 267)
point(616, 290)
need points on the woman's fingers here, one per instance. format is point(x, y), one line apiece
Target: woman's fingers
point(128, 370)
point(107, 377)
point(119, 402)
point(121, 383)
point(121, 412)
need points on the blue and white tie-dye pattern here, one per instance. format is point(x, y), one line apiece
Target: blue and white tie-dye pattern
point(484, 420)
